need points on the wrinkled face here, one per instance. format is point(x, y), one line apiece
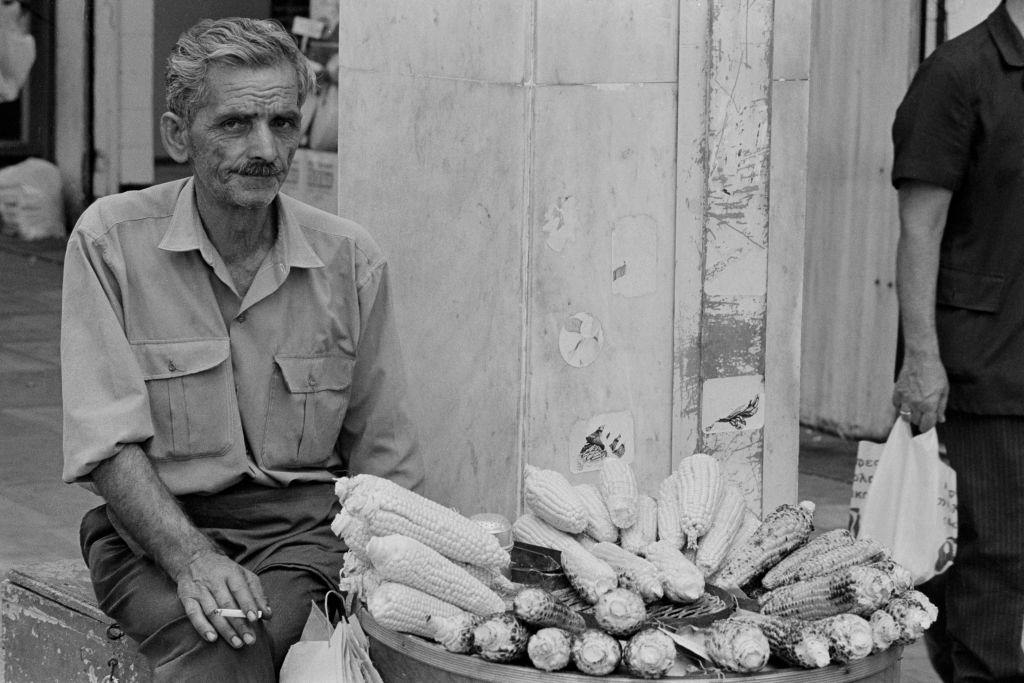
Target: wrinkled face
point(242, 140)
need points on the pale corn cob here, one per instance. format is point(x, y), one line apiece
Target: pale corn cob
point(619, 489)
point(345, 486)
point(595, 653)
point(858, 590)
point(529, 528)
point(540, 608)
point(784, 571)
point(700, 488)
point(785, 528)
point(861, 551)
point(620, 612)
point(455, 633)
point(737, 645)
point(590, 576)
point(492, 578)
point(645, 530)
point(352, 531)
point(361, 584)
point(587, 541)
point(634, 572)
point(849, 636)
point(792, 641)
point(500, 638)
point(649, 654)
point(406, 609)
point(728, 518)
point(550, 496)
point(405, 560)
point(395, 510)
point(599, 521)
point(550, 649)
point(354, 563)
point(884, 630)
point(901, 577)
point(914, 613)
point(669, 527)
point(751, 523)
point(681, 580)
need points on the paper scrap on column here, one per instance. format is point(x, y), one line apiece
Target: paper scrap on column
point(560, 221)
point(732, 404)
point(581, 339)
point(599, 437)
point(634, 256)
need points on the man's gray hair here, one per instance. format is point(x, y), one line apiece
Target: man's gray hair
point(236, 42)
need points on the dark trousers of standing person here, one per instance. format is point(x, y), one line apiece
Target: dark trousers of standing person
point(980, 633)
point(283, 535)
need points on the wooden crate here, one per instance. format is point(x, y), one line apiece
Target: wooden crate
point(53, 630)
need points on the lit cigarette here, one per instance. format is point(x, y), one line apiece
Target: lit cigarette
point(235, 613)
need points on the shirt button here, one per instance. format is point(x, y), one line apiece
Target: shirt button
point(311, 381)
point(171, 367)
point(240, 318)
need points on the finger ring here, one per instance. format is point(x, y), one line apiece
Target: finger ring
point(905, 413)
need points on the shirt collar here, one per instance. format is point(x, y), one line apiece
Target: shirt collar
point(185, 232)
point(1006, 36)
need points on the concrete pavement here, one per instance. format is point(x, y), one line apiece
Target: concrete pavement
point(39, 514)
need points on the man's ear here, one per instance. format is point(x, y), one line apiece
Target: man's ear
point(174, 135)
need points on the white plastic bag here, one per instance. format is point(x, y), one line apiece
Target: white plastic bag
point(31, 200)
point(910, 505)
point(329, 654)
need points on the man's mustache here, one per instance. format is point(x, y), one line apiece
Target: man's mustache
point(259, 168)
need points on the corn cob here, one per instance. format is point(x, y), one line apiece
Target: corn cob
point(849, 636)
point(395, 510)
point(726, 524)
point(345, 486)
point(529, 528)
point(550, 649)
point(406, 609)
point(492, 578)
point(352, 531)
point(700, 488)
point(540, 608)
point(634, 572)
point(737, 645)
point(669, 527)
point(785, 528)
point(792, 641)
point(500, 638)
point(901, 577)
point(861, 551)
point(354, 563)
point(645, 529)
point(914, 613)
point(884, 630)
point(590, 576)
point(595, 652)
point(649, 654)
point(858, 590)
point(620, 612)
point(361, 584)
point(751, 522)
point(405, 560)
point(619, 489)
point(783, 572)
point(681, 580)
point(550, 496)
point(599, 521)
point(455, 633)
point(587, 541)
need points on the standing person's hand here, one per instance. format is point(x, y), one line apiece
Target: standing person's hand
point(921, 391)
point(211, 581)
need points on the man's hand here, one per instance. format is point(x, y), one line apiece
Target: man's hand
point(921, 391)
point(211, 580)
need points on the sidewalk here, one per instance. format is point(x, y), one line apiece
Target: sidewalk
point(39, 514)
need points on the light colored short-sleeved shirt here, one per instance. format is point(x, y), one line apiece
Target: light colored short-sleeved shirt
point(299, 380)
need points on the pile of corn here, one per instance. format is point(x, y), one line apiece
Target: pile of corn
point(424, 569)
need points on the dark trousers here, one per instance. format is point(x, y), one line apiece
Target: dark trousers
point(297, 562)
point(980, 634)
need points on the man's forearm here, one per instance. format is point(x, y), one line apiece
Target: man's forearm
point(148, 511)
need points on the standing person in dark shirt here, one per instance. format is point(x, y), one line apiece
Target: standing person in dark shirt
point(959, 171)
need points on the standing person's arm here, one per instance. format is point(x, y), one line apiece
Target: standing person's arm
point(922, 386)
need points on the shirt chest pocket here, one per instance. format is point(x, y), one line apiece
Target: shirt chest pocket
point(190, 397)
point(308, 399)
